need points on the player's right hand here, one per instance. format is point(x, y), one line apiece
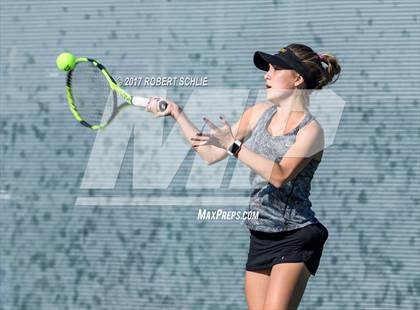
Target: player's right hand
point(172, 108)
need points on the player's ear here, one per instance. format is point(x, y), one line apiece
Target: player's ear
point(298, 80)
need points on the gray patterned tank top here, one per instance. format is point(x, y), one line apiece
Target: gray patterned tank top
point(287, 207)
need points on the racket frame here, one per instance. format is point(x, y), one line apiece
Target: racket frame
point(117, 90)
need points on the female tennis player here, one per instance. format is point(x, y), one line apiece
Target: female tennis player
point(284, 148)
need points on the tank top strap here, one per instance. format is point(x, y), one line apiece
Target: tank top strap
point(308, 118)
point(266, 115)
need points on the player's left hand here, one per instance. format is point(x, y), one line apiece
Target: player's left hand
point(221, 137)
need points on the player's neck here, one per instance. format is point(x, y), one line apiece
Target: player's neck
point(290, 105)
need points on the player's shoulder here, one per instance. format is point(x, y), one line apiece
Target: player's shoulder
point(261, 106)
point(255, 112)
point(312, 128)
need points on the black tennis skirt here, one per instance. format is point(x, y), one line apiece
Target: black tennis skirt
point(298, 245)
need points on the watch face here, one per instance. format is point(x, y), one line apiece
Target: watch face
point(234, 148)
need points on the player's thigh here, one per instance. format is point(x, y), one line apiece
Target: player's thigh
point(287, 285)
point(256, 284)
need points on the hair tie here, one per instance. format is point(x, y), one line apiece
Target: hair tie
point(322, 56)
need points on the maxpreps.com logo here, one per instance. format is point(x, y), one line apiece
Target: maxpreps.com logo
point(164, 168)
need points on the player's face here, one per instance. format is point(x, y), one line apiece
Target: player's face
point(280, 82)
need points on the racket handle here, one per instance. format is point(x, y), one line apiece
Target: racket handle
point(142, 102)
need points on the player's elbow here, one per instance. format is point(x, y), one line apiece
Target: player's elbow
point(277, 183)
point(278, 179)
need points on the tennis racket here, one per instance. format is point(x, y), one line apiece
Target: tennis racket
point(92, 94)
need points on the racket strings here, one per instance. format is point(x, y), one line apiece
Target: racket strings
point(92, 94)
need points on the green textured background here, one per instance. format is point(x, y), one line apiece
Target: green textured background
point(56, 254)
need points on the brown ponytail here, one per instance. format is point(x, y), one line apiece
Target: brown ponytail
point(323, 75)
point(333, 69)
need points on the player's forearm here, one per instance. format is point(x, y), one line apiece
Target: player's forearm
point(209, 153)
point(268, 169)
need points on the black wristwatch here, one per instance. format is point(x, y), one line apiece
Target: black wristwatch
point(234, 148)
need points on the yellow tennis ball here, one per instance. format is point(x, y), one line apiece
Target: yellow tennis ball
point(66, 61)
